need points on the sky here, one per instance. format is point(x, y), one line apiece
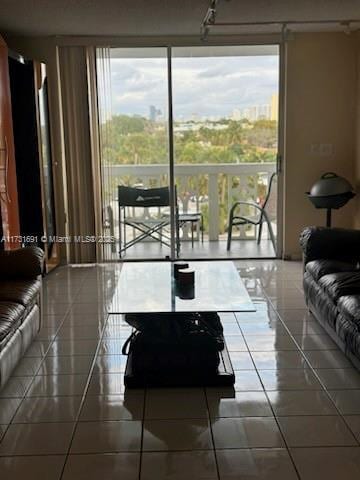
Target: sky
point(206, 87)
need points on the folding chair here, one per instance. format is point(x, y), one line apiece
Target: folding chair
point(147, 223)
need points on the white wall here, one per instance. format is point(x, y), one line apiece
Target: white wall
point(321, 78)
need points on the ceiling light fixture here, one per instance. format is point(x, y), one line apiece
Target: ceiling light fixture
point(209, 22)
point(347, 27)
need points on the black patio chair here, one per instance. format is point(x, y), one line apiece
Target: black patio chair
point(262, 214)
point(150, 222)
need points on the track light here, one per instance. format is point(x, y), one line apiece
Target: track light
point(346, 27)
point(204, 32)
point(209, 22)
point(210, 16)
point(209, 19)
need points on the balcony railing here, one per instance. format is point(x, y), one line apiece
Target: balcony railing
point(207, 188)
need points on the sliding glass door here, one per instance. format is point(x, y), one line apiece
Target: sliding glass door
point(133, 114)
point(218, 146)
point(226, 145)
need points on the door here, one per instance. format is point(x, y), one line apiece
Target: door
point(203, 121)
point(46, 167)
point(8, 184)
point(132, 87)
point(225, 101)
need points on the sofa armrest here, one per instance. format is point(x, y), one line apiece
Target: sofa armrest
point(23, 263)
point(330, 243)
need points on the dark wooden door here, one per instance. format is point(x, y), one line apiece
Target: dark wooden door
point(8, 183)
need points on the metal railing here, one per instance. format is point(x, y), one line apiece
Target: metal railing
point(207, 188)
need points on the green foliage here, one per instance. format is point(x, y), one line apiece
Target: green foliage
point(134, 140)
point(137, 140)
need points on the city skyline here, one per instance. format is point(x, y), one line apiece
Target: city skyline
point(202, 87)
point(267, 111)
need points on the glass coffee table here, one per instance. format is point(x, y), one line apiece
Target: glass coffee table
point(149, 288)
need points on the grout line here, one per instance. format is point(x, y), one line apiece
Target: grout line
point(313, 371)
point(27, 388)
point(89, 375)
point(275, 418)
point(83, 397)
point(142, 432)
point(52, 342)
point(212, 433)
point(136, 452)
point(37, 370)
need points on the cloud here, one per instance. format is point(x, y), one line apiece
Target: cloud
point(211, 86)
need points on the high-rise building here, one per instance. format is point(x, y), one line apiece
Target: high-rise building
point(255, 112)
point(274, 107)
point(154, 113)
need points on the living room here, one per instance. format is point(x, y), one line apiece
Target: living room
point(282, 298)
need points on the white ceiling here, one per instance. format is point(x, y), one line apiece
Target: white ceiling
point(160, 17)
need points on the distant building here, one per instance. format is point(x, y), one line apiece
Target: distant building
point(195, 127)
point(154, 113)
point(236, 114)
point(253, 113)
point(264, 112)
point(274, 113)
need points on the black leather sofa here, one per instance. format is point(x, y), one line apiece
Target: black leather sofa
point(20, 304)
point(332, 284)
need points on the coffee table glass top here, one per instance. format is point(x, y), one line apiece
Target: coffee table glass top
point(149, 287)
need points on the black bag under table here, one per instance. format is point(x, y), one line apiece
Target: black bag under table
point(178, 339)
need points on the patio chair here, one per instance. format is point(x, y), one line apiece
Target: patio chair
point(195, 219)
point(141, 209)
point(262, 212)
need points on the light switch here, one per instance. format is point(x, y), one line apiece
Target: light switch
point(321, 149)
point(315, 149)
point(326, 149)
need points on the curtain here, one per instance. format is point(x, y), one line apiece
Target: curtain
point(104, 95)
point(79, 174)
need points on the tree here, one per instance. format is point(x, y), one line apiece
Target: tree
point(134, 140)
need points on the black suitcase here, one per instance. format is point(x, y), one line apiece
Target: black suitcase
point(174, 343)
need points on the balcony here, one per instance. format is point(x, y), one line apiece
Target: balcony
point(207, 188)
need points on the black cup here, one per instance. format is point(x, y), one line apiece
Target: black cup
point(179, 266)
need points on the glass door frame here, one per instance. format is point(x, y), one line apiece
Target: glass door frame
point(96, 158)
point(172, 187)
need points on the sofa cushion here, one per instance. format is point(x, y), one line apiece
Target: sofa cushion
point(349, 307)
point(319, 268)
point(23, 292)
point(319, 301)
point(11, 316)
point(23, 263)
point(349, 333)
point(335, 243)
point(340, 284)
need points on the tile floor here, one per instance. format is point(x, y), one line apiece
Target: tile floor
point(294, 414)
